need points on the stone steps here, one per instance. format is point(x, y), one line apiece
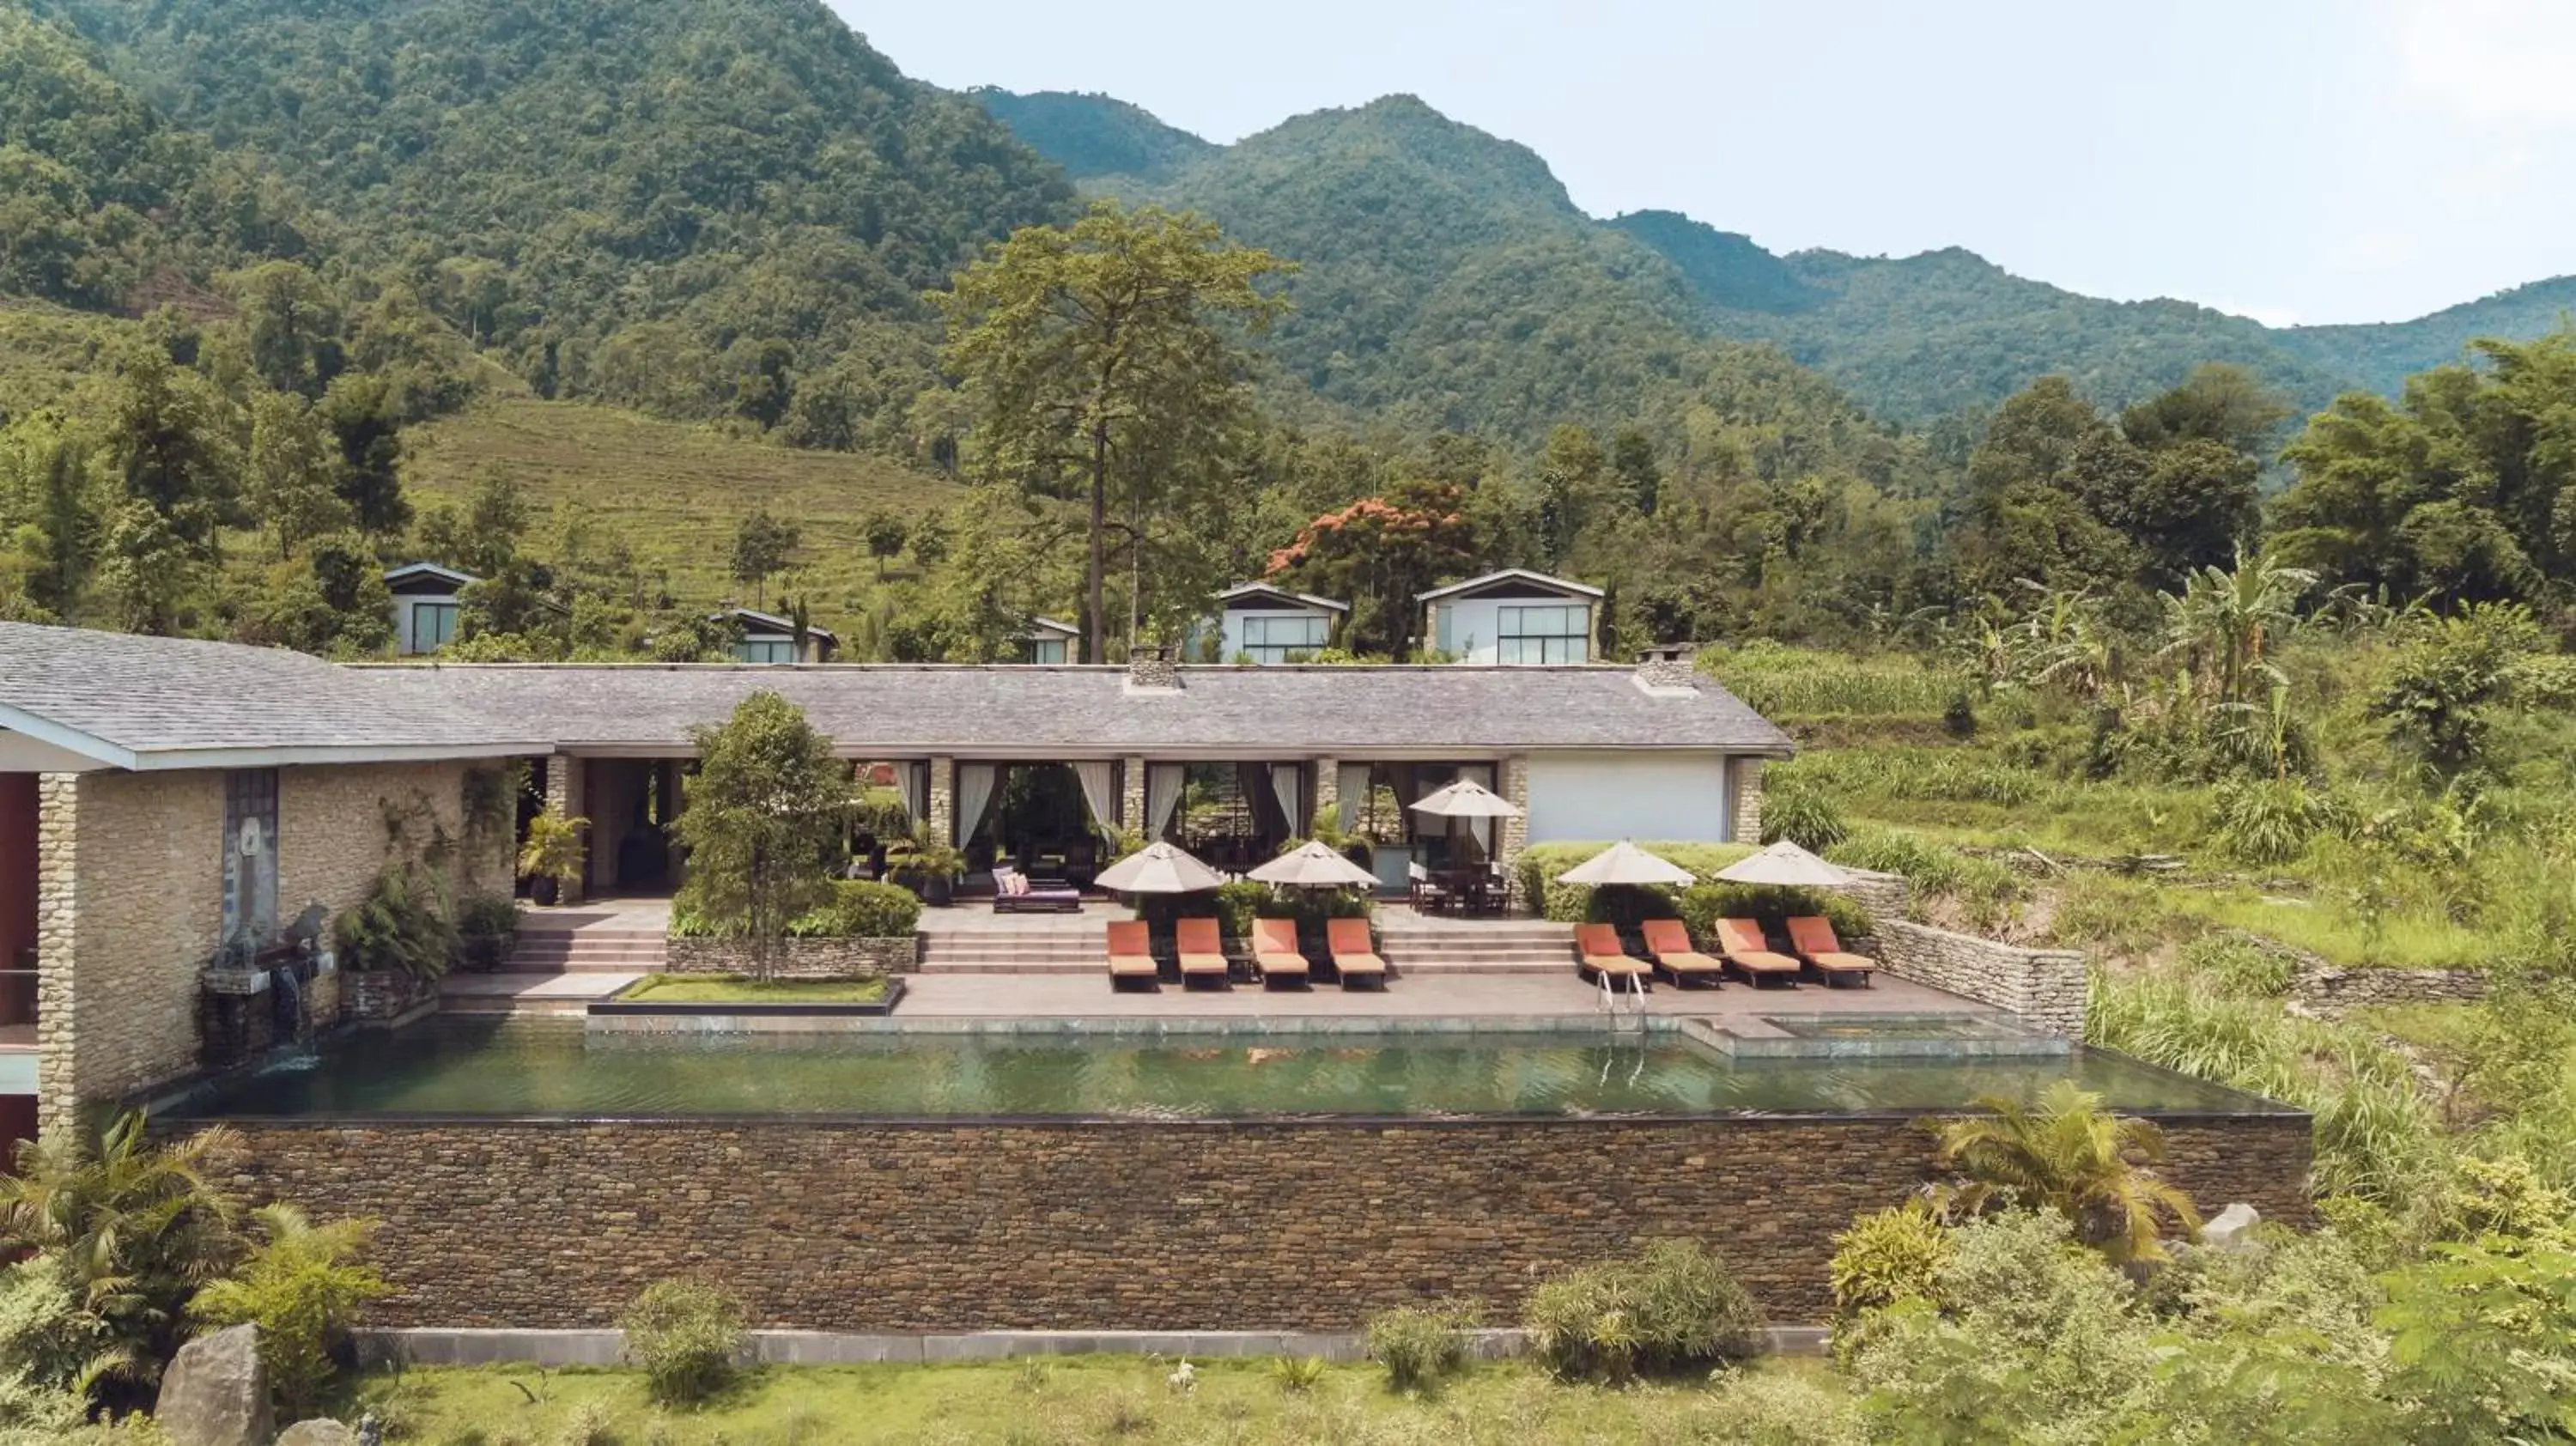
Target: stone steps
point(590, 951)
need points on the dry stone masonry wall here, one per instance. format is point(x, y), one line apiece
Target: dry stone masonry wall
point(2044, 986)
point(2329, 990)
point(805, 958)
point(876, 1226)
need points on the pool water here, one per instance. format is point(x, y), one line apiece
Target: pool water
point(463, 1067)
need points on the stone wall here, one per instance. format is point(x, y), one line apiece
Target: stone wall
point(130, 901)
point(877, 1226)
point(2329, 990)
point(2044, 986)
point(806, 958)
point(568, 794)
point(1747, 787)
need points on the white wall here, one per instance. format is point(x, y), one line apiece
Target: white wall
point(1469, 627)
point(1603, 797)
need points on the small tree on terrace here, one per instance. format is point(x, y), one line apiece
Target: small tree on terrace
point(763, 824)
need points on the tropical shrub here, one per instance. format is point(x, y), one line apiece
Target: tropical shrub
point(304, 1286)
point(862, 909)
point(687, 1339)
point(1297, 1375)
point(1539, 864)
point(2070, 1155)
point(1702, 905)
point(552, 849)
point(1238, 903)
point(1675, 1304)
point(1886, 1257)
point(1419, 1346)
point(400, 927)
point(1804, 815)
point(2268, 821)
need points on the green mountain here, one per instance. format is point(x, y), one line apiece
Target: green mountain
point(1092, 136)
point(1393, 208)
point(705, 208)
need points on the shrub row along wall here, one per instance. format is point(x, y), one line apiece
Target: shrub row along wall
point(804, 959)
point(2044, 986)
point(2329, 990)
point(874, 1226)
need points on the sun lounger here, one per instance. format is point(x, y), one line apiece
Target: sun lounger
point(1202, 952)
point(1599, 952)
point(1017, 893)
point(1668, 943)
point(1741, 945)
point(1275, 953)
point(1131, 954)
point(1355, 956)
point(1812, 935)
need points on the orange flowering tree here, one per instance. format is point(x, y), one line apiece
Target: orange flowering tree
point(1378, 552)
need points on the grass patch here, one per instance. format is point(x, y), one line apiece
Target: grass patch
point(2334, 931)
point(674, 491)
point(739, 989)
point(1082, 1399)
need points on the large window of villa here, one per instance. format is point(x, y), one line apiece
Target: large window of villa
point(1046, 650)
point(1275, 639)
point(765, 650)
point(433, 626)
point(1556, 634)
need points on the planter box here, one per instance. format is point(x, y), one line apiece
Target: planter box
point(806, 958)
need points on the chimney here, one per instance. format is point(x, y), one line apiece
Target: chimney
point(1150, 669)
point(1668, 668)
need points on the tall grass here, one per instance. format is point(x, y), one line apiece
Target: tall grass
point(1785, 682)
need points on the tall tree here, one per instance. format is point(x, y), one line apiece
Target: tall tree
point(169, 442)
point(294, 471)
point(1379, 552)
point(763, 825)
point(761, 548)
point(1102, 365)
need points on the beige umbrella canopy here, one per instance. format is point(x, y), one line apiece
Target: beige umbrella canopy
point(1786, 864)
point(1466, 798)
point(1314, 866)
point(1158, 868)
point(1625, 863)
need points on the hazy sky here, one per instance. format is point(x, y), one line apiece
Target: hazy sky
point(2292, 160)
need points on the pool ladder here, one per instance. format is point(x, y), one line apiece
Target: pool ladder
point(1633, 1000)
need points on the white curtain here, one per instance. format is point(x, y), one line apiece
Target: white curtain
point(1482, 828)
point(1164, 784)
point(1352, 781)
point(974, 793)
point(1099, 781)
point(916, 789)
point(1283, 785)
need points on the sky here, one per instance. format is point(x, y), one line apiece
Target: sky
point(2289, 160)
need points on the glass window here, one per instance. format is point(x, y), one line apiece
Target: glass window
point(433, 626)
point(765, 650)
point(1556, 634)
point(1284, 637)
point(1046, 650)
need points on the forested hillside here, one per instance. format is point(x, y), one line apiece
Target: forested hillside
point(1913, 339)
point(718, 208)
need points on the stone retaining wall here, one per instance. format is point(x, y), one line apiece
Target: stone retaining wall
point(2329, 990)
point(806, 958)
point(2044, 986)
point(880, 1226)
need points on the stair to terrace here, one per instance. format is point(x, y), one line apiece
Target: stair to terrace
point(1416, 945)
point(592, 950)
point(1070, 946)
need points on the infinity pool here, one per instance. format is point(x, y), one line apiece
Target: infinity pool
point(463, 1067)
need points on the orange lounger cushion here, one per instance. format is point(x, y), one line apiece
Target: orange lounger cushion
point(1814, 937)
point(1131, 953)
point(1274, 947)
point(1669, 942)
point(1353, 951)
point(1201, 949)
point(1741, 941)
point(1599, 947)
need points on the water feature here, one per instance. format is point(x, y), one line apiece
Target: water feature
point(529, 1068)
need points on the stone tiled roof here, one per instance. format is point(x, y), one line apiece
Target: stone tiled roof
point(1040, 709)
point(124, 698)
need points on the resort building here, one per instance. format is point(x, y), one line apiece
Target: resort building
point(769, 638)
point(1049, 642)
point(1513, 618)
point(1260, 623)
point(427, 599)
point(168, 806)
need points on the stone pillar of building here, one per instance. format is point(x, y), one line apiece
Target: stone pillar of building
point(57, 910)
point(1745, 785)
point(1328, 791)
point(566, 795)
point(943, 799)
point(1512, 835)
point(1131, 793)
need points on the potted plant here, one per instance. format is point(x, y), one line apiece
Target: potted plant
point(551, 858)
point(929, 868)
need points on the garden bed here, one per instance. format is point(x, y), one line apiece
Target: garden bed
point(735, 994)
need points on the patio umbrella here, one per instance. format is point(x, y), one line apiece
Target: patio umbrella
point(1158, 868)
point(1314, 866)
point(1625, 863)
point(1787, 864)
point(1466, 798)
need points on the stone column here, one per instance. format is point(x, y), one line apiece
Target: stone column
point(1131, 793)
point(1513, 834)
point(57, 910)
point(1328, 790)
point(566, 795)
point(943, 799)
point(1744, 779)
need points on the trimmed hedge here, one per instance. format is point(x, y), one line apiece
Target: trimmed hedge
point(860, 909)
point(1702, 905)
point(1539, 864)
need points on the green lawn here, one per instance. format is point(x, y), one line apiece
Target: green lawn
point(736, 989)
point(1100, 1399)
